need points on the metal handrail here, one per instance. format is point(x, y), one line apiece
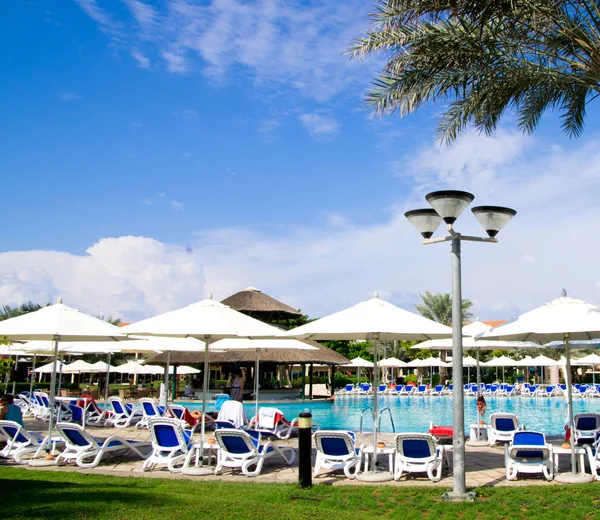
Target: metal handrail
point(362, 414)
point(389, 411)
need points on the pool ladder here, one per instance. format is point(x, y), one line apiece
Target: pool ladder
point(379, 414)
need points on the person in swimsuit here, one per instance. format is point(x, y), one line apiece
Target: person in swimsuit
point(10, 411)
point(237, 388)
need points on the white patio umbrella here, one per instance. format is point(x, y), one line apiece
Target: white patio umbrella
point(392, 362)
point(101, 367)
point(58, 323)
point(47, 368)
point(469, 362)
point(358, 363)
point(372, 320)
point(77, 367)
point(185, 370)
point(502, 361)
point(133, 367)
point(241, 344)
point(430, 362)
point(590, 360)
point(207, 321)
point(563, 319)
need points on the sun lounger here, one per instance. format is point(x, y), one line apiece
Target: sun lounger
point(418, 453)
point(502, 427)
point(337, 450)
point(170, 444)
point(81, 446)
point(586, 428)
point(528, 452)
point(20, 442)
point(237, 449)
point(123, 414)
point(150, 410)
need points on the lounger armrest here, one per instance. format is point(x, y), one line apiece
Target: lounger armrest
point(112, 438)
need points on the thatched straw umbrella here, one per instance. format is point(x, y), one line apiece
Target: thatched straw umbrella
point(261, 306)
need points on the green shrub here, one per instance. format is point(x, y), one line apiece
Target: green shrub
point(411, 378)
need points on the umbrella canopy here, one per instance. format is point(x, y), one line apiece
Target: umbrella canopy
point(206, 319)
point(427, 363)
point(552, 321)
point(359, 362)
point(132, 367)
point(47, 368)
point(374, 317)
point(59, 322)
point(475, 327)
point(78, 366)
point(393, 362)
point(101, 366)
point(543, 361)
point(470, 343)
point(469, 362)
point(563, 319)
point(592, 359)
point(502, 361)
point(184, 370)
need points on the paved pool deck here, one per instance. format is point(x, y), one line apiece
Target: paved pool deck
point(484, 464)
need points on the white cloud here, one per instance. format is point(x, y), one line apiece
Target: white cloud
point(175, 62)
point(294, 44)
point(130, 277)
point(99, 15)
point(177, 205)
point(142, 60)
point(189, 113)
point(69, 96)
point(548, 246)
point(320, 126)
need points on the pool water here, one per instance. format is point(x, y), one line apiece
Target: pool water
point(415, 413)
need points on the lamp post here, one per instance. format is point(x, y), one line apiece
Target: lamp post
point(447, 206)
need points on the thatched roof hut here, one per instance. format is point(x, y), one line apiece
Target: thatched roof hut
point(323, 356)
point(261, 306)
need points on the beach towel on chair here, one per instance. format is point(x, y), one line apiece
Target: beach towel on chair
point(232, 411)
point(269, 417)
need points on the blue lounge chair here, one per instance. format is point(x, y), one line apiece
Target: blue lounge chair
point(238, 449)
point(123, 414)
point(170, 444)
point(337, 450)
point(421, 390)
point(418, 453)
point(528, 452)
point(502, 427)
point(438, 390)
point(20, 442)
point(81, 446)
point(150, 410)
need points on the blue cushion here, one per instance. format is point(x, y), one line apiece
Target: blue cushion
point(334, 446)
point(416, 448)
point(504, 424)
point(586, 423)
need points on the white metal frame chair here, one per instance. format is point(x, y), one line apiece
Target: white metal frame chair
point(20, 442)
point(528, 452)
point(337, 450)
point(123, 414)
point(418, 453)
point(586, 427)
point(150, 410)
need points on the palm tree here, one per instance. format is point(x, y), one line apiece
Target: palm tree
point(438, 307)
point(482, 57)
point(7, 311)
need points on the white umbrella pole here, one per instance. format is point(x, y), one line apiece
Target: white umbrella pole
point(166, 392)
point(107, 379)
point(62, 361)
point(478, 390)
point(31, 377)
point(205, 388)
point(375, 405)
point(51, 396)
point(570, 400)
point(256, 366)
point(503, 374)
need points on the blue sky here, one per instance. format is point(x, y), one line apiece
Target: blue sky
point(156, 152)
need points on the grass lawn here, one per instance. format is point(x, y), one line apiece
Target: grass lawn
point(50, 494)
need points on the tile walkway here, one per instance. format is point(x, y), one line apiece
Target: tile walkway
point(484, 465)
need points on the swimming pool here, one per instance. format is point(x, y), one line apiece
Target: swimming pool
point(414, 413)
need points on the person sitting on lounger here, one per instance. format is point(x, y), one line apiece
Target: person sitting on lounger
point(10, 411)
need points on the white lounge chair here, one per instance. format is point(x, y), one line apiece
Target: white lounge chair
point(237, 449)
point(418, 453)
point(20, 442)
point(150, 410)
point(123, 414)
point(170, 444)
point(502, 427)
point(337, 450)
point(593, 452)
point(81, 446)
point(586, 427)
point(528, 452)
point(438, 390)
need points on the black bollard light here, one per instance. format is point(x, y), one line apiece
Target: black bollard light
point(305, 449)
